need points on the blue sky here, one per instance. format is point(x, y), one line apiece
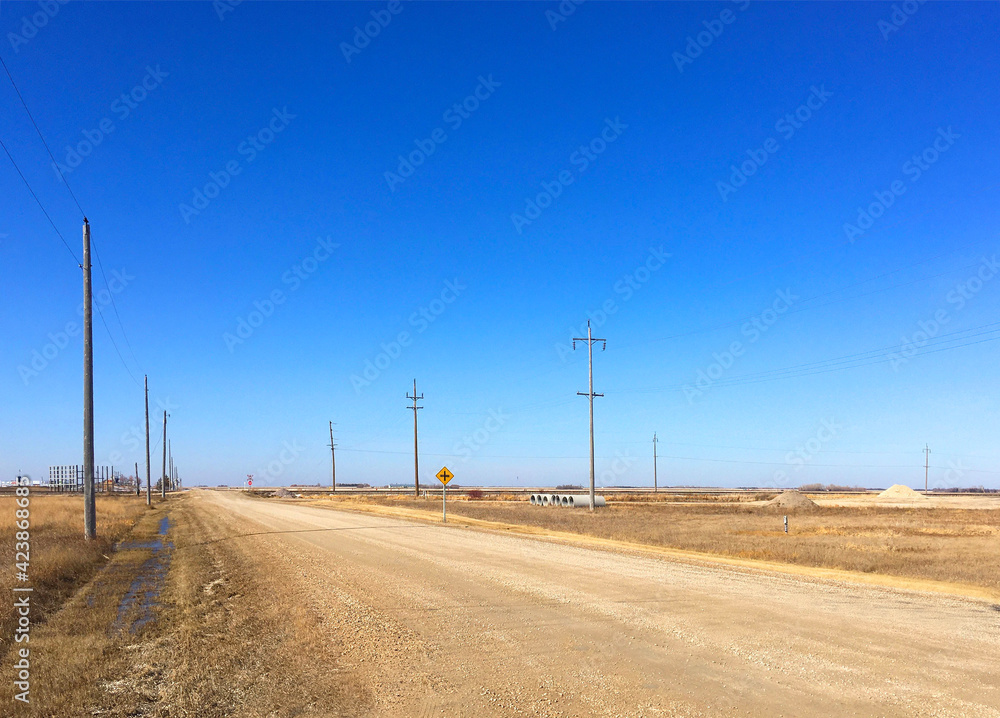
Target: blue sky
point(484, 178)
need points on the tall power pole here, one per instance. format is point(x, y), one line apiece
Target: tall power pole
point(927, 464)
point(416, 463)
point(333, 460)
point(590, 394)
point(163, 474)
point(89, 504)
point(149, 497)
point(655, 487)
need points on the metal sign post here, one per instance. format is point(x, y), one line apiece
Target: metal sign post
point(444, 476)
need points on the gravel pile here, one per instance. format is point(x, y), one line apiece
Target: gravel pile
point(899, 491)
point(792, 500)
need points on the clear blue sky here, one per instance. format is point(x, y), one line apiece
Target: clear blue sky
point(620, 113)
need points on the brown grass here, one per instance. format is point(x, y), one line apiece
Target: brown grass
point(953, 545)
point(228, 636)
point(687, 497)
point(60, 559)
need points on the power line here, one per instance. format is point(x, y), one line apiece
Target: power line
point(782, 450)
point(678, 458)
point(39, 202)
point(876, 353)
point(848, 361)
point(823, 250)
point(738, 322)
point(97, 252)
point(40, 136)
point(416, 472)
point(590, 339)
point(115, 345)
point(114, 306)
point(878, 359)
point(838, 290)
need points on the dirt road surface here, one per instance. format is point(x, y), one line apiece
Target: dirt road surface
point(435, 620)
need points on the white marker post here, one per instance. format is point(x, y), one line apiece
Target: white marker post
point(444, 476)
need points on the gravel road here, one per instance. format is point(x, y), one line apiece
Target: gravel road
point(441, 620)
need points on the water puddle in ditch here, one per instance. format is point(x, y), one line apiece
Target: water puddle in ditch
point(136, 607)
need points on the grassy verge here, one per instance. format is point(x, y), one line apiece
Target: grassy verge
point(947, 545)
point(71, 650)
point(185, 619)
point(60, 559)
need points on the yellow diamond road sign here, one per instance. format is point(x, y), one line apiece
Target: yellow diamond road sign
point(444, 476)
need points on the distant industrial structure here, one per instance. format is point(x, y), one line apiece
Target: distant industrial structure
point(69, 478)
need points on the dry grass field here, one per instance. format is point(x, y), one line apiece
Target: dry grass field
point(60, 559)
point(941, 544)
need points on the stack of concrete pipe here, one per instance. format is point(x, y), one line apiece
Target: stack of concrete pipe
point(576, 501)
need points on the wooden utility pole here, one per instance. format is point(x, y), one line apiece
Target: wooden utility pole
point(89, 503)
point(138, 486)
point(655, 487)
point(163, 474)
point(416, 463)
point(149, 496)
point(333, 460)
point(927, 465)
point(590, 394)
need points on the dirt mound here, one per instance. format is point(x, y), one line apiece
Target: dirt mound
point(899, 491)
point(283, 493)
point(792, 500)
